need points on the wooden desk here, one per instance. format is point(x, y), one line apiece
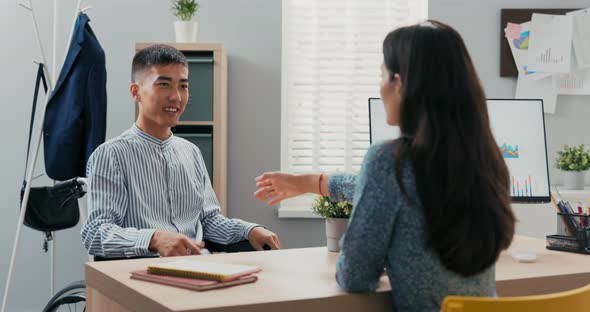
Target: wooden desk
point(303, 279)
point(553, 271)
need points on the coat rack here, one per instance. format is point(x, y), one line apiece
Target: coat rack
point(33, 160)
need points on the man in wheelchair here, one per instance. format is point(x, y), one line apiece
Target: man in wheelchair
point(150, 194)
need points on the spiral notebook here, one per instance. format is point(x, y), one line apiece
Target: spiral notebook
point(190, 283)
point(203, 270)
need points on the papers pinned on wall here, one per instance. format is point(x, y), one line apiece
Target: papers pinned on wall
point(538, 89)
point(552, 54)
point(518, 36)
point(576, 82)
point(550, 47)
point(581, 36)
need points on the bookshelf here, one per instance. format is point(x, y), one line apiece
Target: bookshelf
point(204, 121)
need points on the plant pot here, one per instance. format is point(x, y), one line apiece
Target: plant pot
point(335, 227)
point(186, 31)
point(573, 180)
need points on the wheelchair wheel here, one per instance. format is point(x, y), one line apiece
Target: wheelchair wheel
point(70, 298)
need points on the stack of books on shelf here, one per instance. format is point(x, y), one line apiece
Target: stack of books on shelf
point(198, 275)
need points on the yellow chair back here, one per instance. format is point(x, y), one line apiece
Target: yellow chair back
point(576, 300)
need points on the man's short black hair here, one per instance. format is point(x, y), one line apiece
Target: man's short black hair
point(158, 54)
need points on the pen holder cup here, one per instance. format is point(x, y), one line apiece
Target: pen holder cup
point(564, 222)
point(573, 233)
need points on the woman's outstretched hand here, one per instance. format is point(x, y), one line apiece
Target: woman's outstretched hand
point(278, 186)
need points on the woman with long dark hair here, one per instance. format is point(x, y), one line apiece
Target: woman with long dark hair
point(432, 207)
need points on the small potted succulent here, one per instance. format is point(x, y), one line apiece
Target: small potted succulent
point(336, 214)
point(185, 28)
point(573, 161)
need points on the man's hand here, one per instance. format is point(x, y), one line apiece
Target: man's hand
point(260, 236)
point(169, 244)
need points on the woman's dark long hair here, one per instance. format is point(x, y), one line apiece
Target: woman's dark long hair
point(461, 177)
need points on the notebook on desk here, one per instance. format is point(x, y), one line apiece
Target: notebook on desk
point(190, 283)
point(203, 270)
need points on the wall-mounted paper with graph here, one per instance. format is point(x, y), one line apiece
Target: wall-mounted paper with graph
point(518, 37)
point(581, 36)
point(552, 55)
point(530, 84)
point(550, 46)
point(577, 81)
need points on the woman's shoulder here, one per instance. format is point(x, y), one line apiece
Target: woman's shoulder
point(382, 152)
point(382, 160)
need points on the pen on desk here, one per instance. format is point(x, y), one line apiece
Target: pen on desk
point(565, 205)
point(571, 224)
point(569, 207)
point(557, 200)
point(563, 208)
point(560, 212)
point(581, 212)
point(566, 221)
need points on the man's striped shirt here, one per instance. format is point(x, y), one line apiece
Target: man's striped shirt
point(140, 184)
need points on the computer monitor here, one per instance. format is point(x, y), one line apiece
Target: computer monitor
point(518, 125)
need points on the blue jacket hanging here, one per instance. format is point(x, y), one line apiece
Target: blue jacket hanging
point(75, 119)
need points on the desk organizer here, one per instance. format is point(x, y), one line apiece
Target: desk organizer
point(578, 240)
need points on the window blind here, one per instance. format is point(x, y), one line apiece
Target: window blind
point(331, 58)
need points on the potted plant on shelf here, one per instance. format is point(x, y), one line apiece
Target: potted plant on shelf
point(336, 214)
point(573, 161)
point(185, 29)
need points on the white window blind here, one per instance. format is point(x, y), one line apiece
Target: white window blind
point(331, 58)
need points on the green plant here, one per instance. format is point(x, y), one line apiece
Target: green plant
point(184, 9)
point(573, 158)
point(326, 208)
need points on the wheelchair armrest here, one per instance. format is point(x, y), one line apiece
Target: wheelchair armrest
point(99, 258)
point(240, 246)
point(235, 247)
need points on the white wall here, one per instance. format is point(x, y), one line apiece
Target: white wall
point(478, 22)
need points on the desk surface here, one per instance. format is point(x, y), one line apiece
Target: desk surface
point(302, 278)
point(552, 272)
